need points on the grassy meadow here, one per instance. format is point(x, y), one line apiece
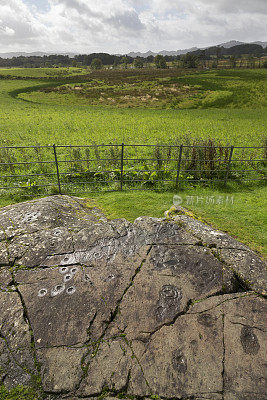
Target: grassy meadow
point(74, 106)
point(32, 113)
point(41, 72)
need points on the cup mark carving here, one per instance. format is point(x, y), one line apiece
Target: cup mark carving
point(71, 290)
point(67, 277)
point(63, 270)
point(57, 290)
point(42, 292)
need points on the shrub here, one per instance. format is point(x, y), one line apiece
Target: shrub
point(217, 98)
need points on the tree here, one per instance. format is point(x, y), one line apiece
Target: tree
point(160, 61)
point(218, 54)
point(150, 59)
point(202, 56)
point(138, 63)
point(233, 60)
point(96, 63)
point(251, 61)
point(115, 63)
point(189, 61)
point(125, 61)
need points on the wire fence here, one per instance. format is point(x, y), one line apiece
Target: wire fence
point(75, 169)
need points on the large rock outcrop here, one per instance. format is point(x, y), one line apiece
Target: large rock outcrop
point(160, 307)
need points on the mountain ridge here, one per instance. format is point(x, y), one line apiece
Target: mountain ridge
point(133, 54)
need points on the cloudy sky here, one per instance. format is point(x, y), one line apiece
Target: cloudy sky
point(120, 26)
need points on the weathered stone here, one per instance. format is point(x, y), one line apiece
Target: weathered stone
point(116, 357)
point(40, 245)
point(244, 396)
point(250, 268)
point(209, 236)
point(84, 297)
point(5, 278)
point(184, 359)
point(90, 236)
point(245, 324)
point(60, 368)
point(206, 396)
point(58, 310)
point(244, 342)
point(150, 308)
point(47, 213)
point(16, 358)
point(245, 262)
point(230, 282)
point(3, 254)
point(171, 278)
point(171, 233)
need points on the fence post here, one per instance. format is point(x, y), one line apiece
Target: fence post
point(122, 153)
point(58, 178)
point(228, 165)
point(179, 166)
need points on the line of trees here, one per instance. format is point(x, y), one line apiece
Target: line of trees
point(64, 60)
point(97, 60)
point(36, 61)
point(219, 51)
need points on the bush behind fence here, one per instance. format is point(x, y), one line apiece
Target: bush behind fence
point(75, 169)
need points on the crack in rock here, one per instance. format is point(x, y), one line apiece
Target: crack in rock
point(113, 315)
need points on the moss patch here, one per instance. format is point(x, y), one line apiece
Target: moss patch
point(19, 393)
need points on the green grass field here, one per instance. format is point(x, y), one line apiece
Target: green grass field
point(41, 72)
point(41, 106)
point(68, 118)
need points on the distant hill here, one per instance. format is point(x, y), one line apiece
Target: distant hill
point(263, 44)
point(226, 45)
point(33, 54)
point(233, 43)
point(236, 50)
point(163, 53)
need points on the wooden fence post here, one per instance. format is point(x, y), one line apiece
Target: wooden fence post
point(179, 166)
point(228, 165)
point(58, 177)
point(122, 153)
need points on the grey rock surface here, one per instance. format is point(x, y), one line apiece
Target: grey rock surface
point(106, 308)
point(232, 253)
point(16, 354)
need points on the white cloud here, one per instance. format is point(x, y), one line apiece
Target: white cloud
point(240, 6)
point(5, 30)
point(125, 25)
